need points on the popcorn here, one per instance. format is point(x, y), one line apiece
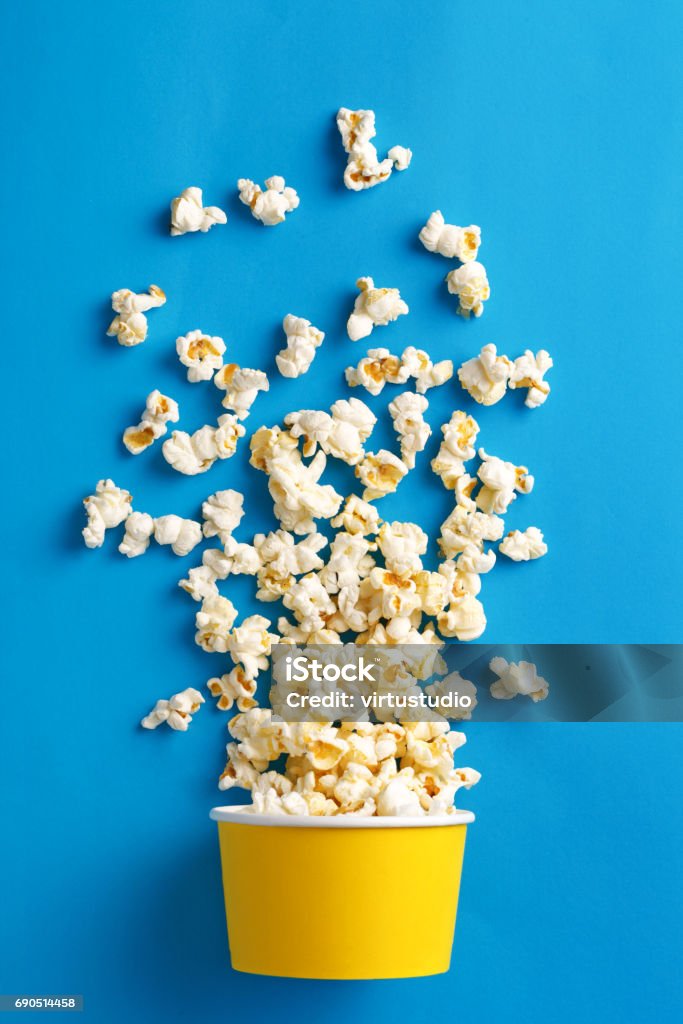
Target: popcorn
point(222, 513)
point(400, 798)
point(139, 529)
point(249, 645)
point(501, 480)
point(463, 527)
point(374, 307)
point(302, 341)
point(182, 534)
point(352, 424)
point(432, 589)
point(196, 453)
point(310, 603)
point(239, 559)
point(176, 712)
point(401, 545)
point(426, 373)
point(281, 559)
point(457, 448)
point(241, 387)
point(312, 425)
point(523, 546)
point(105, 509)
point(464, 618)
point(517, 679)
point(214, 620)
point(454, 684)
point(470, 284)
point(375, 370)
point(364, 169)
point(407, 413)
point(527, 372)
point(270, 206)
point(188, 214)
point(129, 327)
point(159, 410)
point(200, 583)
point(449, 240)
point(233, 688)
point(357, 516)
point(298, 497)
point(380, 473)
point(201, 354)
point(486, 376)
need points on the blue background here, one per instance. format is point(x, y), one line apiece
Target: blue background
point(558, 130)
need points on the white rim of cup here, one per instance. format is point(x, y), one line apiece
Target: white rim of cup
point(242, 814)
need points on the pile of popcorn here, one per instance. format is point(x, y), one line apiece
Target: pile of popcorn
point(368, 582)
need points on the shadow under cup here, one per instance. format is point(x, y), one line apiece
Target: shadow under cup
point(341, 897)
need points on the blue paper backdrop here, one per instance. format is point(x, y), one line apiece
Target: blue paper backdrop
point(557, 128)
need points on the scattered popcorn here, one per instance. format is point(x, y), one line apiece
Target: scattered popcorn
point(129, 327)
point(451, 241)
point(486, 376)
point(222, 513)
point(196, 453)
point(182, 534)
point(426, 373)
point(375, 370)
point(200, 583)
point(374, 307)
point(470, 284)
point(108, 507)
point(234, 688)
point(249, 645)
point(457, 448)
point(501, 481)
point(270, 206)
point(352, 424)
point(523, 546)
point(407, 413)
point(364, 169)
point(357, 516)
point(297, 496)
point(138, 532)
point(401, 545)
point(241, 387)
point(302, 341)
point(464, 526)
point(455, 684)
point(464, 618)
point(176, 712)
point(188, 214)
point(201, 354)
point(309, 602)
point(380, 473)
point(527, 372)
point(214, 620)
point(159, 410)
point(517, 679)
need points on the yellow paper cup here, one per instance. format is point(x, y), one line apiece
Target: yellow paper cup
point(340, 897)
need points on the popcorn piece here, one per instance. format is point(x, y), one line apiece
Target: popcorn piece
point(182, 534)
point(139, 530)
point(380, 473)
point(464, 618)
point(358, 516)
point(214, 620)
point(457, 447)
point(234, 688)
point(527, 372)
point(449, 240)
point(352, 424)
point(270, 206)
point(407, 413)
point(374, 307)
point(401, 545)
point(523, 546)
point(196, 453)
point(375, 370)
point(313, 425)
point(302, 341)
point(364, 169)
point(241, 387)
point(426, 373)
point(222, 513)
point(129, 327)
point(470, 284)
point(105, 509)
point(517, 679)
point(159, 410)
point(297, 496)
point(464, 527)
point(188, 214)
point(309, 602)
point(249, 645)
point(176, 712)
point(200, 583)
point(501, 480)
point(486, 376)
point(201, 354)
point(455, 686)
